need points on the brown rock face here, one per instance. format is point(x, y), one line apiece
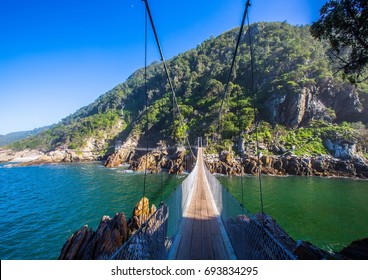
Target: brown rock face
point(141, 213)
point(290, 164)
point(111, 234)
point(307, 251)
point(175, 161)
point(101, 244)
point(295, 108)
point(121, 156)
point(153, 161)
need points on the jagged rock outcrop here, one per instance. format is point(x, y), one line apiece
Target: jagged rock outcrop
point(153, 161)
point(175, 161)
point(141, 213)
point(307, 251)
point(123, 155)
point(111, 234)
point(101, 244)
point(341, 149)
point(357, 250)
point(329, 101)
point(223, 164)
point(290, 164)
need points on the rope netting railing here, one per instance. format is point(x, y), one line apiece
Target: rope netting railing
point(155, 237)
point(148, 242)
point(249, 238)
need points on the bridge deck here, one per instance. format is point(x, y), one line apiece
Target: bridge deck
point(201, 238)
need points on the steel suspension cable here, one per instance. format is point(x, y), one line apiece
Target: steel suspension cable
point(181, 120)
point(232, 65)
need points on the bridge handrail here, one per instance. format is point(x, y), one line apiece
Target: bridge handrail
point(250, 239)
point(159, 227)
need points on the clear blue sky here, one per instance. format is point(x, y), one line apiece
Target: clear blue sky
point(57, 56)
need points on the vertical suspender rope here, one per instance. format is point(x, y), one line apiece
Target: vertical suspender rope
point(146, 91)
point(247, 5)
point(147, 12)
point(161, 184)
point(241, 161)
point(146, 115)
point(255, 118)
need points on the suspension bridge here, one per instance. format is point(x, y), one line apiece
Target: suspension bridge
point(200, 220)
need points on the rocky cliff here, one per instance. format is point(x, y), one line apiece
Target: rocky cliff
point(110, 235)
point(330, 101)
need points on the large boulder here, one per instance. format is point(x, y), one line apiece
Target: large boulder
point(357, 250)
point(123, 155)
point(101, 244)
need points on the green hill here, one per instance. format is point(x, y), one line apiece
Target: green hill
point(19, 135)
point(297, 98)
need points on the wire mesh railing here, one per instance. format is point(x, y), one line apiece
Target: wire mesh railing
point(155, 237)
point(148, 243)
point(249, 238)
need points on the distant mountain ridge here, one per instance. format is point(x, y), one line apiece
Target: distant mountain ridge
point(300, 103)
point(19, 135)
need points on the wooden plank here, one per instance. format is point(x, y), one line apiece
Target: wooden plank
point(206, 230)
point(219, 247)
point(207, 248)
point(196, 247)
point(201, 238)
point(214, 228)
point(184, 248)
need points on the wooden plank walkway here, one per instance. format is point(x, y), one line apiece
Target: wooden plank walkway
point(201, 238)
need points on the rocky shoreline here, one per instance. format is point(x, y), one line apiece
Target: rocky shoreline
point(112, 233)
point(172, 160)
point(288, 164)
point(177, 161)
point(9, 156)
point(35, 157)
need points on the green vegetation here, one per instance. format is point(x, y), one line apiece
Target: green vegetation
point(73, 136)
point(16, 136)
point(344, 25)
point(306, 140)
point(287, 60)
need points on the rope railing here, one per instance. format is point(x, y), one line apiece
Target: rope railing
point(148, 243)
point(249, 238)
point(154, 239)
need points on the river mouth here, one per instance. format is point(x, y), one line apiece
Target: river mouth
point(42, 206)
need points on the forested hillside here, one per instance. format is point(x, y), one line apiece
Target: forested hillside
point(16, 136)
point(299, 102)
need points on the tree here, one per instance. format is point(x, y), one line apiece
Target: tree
point(344, 24)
